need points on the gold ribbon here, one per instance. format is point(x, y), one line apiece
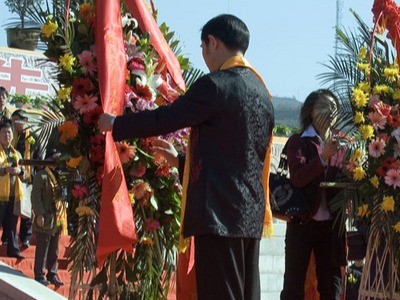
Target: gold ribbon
point(5, 180)
point(61, 209)
point(268, 230)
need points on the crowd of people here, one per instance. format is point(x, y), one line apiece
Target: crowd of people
point(38, 186)
point(231, 117)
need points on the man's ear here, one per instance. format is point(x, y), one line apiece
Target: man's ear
point(212, 42)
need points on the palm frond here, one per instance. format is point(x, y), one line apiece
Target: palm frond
point(44, 123)
point(191, 75)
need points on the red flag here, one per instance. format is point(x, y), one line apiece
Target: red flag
point(117, 226)
point(147, 23)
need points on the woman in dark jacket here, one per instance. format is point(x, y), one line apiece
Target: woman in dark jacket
point(313, 157)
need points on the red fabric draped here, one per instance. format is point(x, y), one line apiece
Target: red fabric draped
point(117, 227)
point(147, 23)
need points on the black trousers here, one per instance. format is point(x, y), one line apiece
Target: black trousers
point(46, 255)
point(25, 230)
point(227, 268)
point(9, 220)
point(301, 240)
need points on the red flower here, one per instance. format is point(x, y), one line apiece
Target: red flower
point(91, 117)
point(394, 121)
point(151, 225)
point(162, 170)
point(81, 86)
point(79, 191)
point(142, 92)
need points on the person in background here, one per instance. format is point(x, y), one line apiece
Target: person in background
point(49, 214)
point(24, 142)
point(4, 112)
point(11, 175)
point(231, 118)
point(314, 156)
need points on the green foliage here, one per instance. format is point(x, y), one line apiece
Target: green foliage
point(22, 8)
point(28, 101)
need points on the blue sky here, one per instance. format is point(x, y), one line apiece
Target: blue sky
point(288, 39)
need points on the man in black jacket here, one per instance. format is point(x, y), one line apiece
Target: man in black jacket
point(231, 119)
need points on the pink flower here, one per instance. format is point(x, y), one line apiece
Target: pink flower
point(79, 191)
point(86, 60)
point(151, 225)
point(377, 120)
point(392, 178)
point(377, 148)
point(125, 151)
point(85, 103)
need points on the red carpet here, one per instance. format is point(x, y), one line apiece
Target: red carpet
point(26, 265)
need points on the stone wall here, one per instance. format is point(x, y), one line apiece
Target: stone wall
point(272, 252)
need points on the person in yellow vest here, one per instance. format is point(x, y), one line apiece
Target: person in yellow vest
point(11, 175)
point(25, 142)
point(49, 221)
point(231, 118)
point(4, 112)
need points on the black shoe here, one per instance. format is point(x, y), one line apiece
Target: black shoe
point(17, 256)
point(43, 281)
point(26, 244)
point(57, 282)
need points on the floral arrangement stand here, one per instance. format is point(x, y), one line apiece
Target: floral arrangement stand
point(380, 279)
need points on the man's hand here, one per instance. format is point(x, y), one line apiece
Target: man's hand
point(106, 122)
point(40, 220)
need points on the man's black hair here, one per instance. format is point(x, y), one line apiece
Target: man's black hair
point(3, 92)
point(232, 31)
point(6, 123)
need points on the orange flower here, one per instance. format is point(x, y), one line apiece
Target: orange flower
point(69, 130)
point(73, 162)
point(140, 189)
point(85, 11)
point(126, 152)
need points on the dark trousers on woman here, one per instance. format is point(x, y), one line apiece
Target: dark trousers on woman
point(227, 268)
point(301, 240)
point(46, 255)
point(8, 218)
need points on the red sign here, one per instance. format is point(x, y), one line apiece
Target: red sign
point(26, 72)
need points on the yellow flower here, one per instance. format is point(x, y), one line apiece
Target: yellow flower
point(382, 89)
point(397, 227)
point(356, 155)
point(83, 210)
point(363, 210)
point(360, 98)
point(132, 197)
point(31, 140)
point(359, 117)
point(364, 86)
point(374, 181)
point(362, 54)
point(85, 11)
point(64, 93)
point(66, 62)
point(147, 241)
point(358, 173)
point(396, 94)
point(365, 67)
point(391, 73)
point(49, 28)
point(366, 131)
point(352, 279)
point(388, 203)
point(73, 162)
